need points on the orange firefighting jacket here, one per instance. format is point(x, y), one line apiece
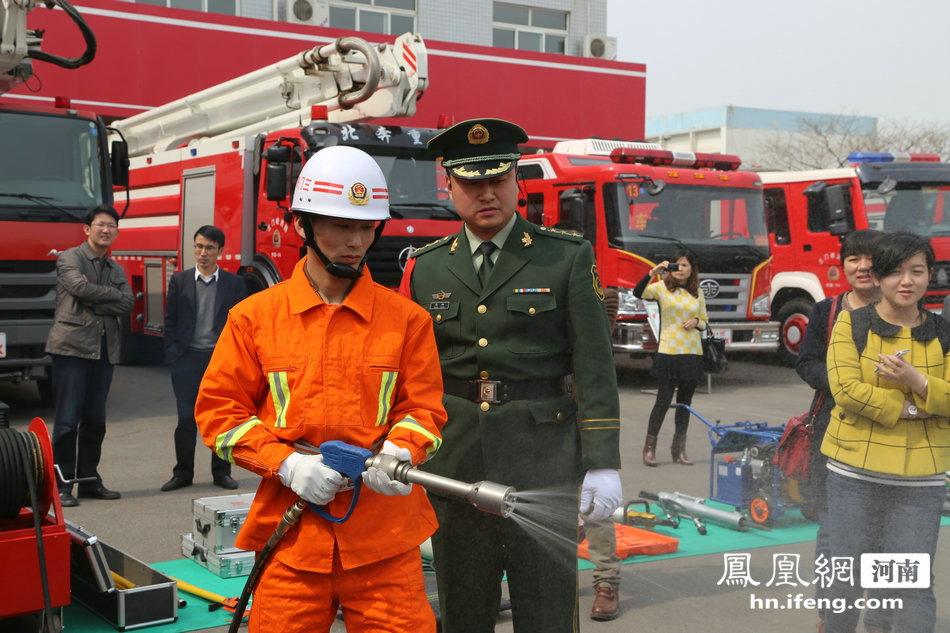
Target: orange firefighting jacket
point(289, 367)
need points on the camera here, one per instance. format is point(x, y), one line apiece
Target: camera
point(673, 267)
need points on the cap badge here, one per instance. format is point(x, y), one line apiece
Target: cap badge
point(478, 135)
point(359, 195)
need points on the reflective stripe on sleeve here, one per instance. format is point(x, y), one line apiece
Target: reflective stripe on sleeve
point(225, 442)
point(387, 388)
point(412, 425)
point(280, 393)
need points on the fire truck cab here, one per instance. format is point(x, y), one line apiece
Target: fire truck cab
point(638, 204)
point(809, 211)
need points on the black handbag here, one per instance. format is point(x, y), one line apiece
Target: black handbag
point(714, 353)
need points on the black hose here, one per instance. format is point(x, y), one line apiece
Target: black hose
point(87, 35)
point(22, 473)
point(288, 520)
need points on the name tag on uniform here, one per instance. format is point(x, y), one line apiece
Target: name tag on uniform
point(439, 305)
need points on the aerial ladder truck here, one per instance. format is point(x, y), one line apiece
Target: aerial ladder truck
point(229, 156)
point(54, 165)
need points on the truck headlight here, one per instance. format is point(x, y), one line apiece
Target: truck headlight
point(760, 305)
point(629, 303)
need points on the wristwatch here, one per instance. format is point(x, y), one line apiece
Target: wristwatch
point(912, 410)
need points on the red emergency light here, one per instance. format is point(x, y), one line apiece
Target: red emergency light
point(655, 157)
point(62, 102)
point(445, 121)
point(319, 113)
point(662, 157)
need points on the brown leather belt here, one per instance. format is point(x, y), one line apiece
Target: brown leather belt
point(501, 391)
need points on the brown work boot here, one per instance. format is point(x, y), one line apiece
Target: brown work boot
point(606, 603)
point(649, 450)
point(678, 450)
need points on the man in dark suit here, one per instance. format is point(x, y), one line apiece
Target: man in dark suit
point(521, 328)
point(196, 310)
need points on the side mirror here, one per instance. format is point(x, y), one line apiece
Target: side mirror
point(276, 182)
point(120, 163)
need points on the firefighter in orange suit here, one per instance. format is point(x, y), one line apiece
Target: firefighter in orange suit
point(331, 355)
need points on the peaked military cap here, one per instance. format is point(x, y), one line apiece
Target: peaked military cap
point(479, 148)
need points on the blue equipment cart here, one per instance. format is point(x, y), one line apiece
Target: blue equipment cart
point(741, 473)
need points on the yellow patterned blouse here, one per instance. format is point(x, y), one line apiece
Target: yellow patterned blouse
point(676, 307)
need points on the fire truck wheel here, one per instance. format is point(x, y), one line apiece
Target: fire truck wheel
point(762, 510)
point(793, 316)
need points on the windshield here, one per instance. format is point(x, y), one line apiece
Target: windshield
point(49, 163)
point(690, 215)
point(417, 189)
point(925, 210)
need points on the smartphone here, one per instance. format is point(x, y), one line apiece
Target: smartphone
point(901, 353)
point(675, 266)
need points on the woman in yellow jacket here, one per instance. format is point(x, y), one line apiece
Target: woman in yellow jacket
point(888, 441)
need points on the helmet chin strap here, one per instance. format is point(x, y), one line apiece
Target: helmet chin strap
point(336, 268)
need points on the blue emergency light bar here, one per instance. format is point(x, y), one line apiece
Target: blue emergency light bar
point(892, 157)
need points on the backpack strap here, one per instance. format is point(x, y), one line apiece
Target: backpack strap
point(860, 324)
point(943, 331)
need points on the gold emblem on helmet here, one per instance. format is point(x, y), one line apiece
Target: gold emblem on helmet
point(359, 194)
point(478, 135)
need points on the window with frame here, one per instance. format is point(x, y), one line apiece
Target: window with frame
point(529, 28)
point(389, 17)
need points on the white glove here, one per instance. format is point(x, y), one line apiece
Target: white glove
point(378, 481)
point(310, 478)
point(601, 494)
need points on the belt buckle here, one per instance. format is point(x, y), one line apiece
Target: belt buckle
point(487, 391)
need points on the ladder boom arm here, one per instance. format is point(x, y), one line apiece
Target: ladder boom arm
point(356, 81)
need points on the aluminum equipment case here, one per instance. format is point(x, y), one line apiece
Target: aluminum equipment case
point(218, 521)
point(152, 598)
point(229, 565)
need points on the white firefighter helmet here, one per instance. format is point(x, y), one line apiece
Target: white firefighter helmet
point(342, 182)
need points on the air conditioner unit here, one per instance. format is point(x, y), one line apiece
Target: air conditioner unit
point(600, 46)
point(316, 12)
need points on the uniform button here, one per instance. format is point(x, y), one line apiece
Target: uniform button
point(438, 317)
point(482, 309)
point(483, 375)
point(485, 406)
point(483, 342)
point(531, 310)
point(841, 416)
point(560, 416)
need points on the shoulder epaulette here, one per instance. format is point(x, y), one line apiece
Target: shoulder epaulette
point(564, 235)
point(432, 245)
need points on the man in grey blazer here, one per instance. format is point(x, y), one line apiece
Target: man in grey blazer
point(92, 292)
point(196, 309)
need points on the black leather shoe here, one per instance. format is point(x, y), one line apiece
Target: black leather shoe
point(99, 493)
point(227, 482)
point(175, 483)
point(67, 500)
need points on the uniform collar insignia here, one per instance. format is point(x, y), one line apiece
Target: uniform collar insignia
point(526, 240)
point(455, 245)
point(442, 294)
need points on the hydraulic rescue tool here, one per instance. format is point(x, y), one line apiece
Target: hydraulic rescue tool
point(351, 461)
point(643, 518)
point(694, 507)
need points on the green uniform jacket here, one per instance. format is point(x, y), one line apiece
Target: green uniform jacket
point(541, 316)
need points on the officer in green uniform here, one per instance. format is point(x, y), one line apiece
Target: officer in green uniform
point(530, 389)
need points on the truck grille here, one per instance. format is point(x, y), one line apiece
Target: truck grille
point(727, 295)
point(27, 304)
point(387, 258)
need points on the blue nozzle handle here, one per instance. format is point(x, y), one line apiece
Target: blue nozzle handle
point(347, 460)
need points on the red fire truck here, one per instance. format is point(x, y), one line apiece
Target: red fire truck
point(54, 165)
point(809, 211)
point(229, 156)
point(638, 204)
